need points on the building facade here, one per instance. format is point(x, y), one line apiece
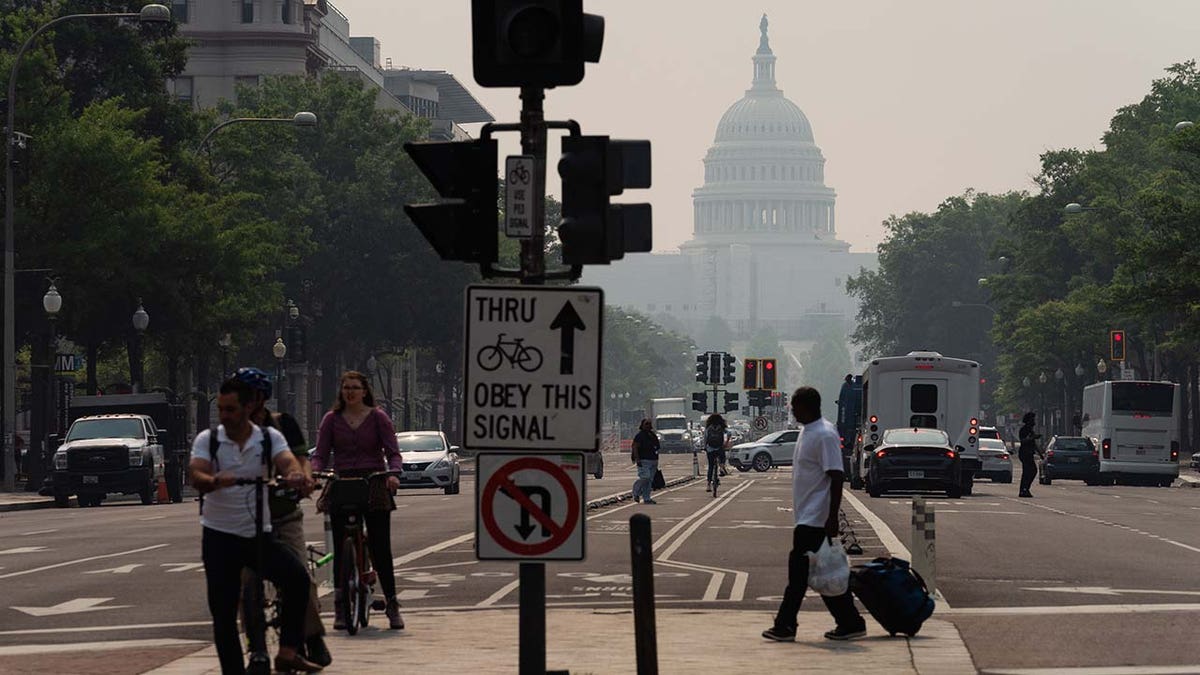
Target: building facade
point(764, 250)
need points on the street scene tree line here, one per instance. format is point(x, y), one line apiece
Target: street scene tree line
point(1030, 283)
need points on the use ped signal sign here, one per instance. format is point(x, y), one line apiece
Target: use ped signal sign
point(532, 374)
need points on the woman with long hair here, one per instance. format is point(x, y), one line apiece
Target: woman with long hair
point(362, 440)
point(714, 446)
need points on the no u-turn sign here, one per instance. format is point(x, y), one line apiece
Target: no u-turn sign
point(530, 507)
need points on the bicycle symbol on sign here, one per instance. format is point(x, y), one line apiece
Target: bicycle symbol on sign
point(519, 174)
point(514, 351)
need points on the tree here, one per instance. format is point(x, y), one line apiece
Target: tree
point(827, 364)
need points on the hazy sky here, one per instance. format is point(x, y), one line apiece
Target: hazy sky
point(911, 101)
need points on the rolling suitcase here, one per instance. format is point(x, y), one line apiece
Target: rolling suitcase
point(893, 593)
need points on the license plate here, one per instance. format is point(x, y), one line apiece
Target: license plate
point(916, 474)
point(91, 480)
point(1072, 460)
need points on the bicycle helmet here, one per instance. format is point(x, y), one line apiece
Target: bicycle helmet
point(257, 379)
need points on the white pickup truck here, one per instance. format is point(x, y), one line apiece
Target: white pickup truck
point(105, 454)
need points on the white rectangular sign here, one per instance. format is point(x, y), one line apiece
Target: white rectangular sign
point(519, 195)
point(532, 371)
point(529, 507)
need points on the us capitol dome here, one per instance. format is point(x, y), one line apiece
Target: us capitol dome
point(764, 250)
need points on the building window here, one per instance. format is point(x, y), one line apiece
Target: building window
point(179, 10)
point(286, 11)
point(247, 11)
point(181, 89)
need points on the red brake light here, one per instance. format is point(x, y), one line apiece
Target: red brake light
point(874, 419)
point(1174, 450)
point(974, 431)
point(1003, 457)
point(974, 422)
point(1049, 454)
point(881, 453)
point(950, 454)
point(921, 366)
point(1107, 445)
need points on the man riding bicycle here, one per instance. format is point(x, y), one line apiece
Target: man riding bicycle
point(227, 517)
point(714, 442)
point(287, 518)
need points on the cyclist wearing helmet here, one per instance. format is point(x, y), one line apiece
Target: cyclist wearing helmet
point(287, 518)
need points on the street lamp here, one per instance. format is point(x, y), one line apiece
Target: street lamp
point(300, 119)
point(1062, 420)
point(38, 449)
point(280, 351)
point(149, 14)
point(141, 321)
point(225, 342)
point(1102, 368)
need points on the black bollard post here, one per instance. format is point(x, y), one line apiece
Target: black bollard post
point(642, 557)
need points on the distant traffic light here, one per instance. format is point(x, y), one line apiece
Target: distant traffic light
point(464, 171)
point(702, 368)
point(700, 401)
point(533, 43)
point(768, 374)
point(759, 398)
point(731, 401)
point(714, 367)
point(749, 373)
point(1116, 345)
point(728, 368)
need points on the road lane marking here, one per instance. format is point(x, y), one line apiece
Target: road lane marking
point(888, 538)
point(741, 578)
point(123, 569)
point(30, 534)
point(23, 549)
point(435, 567)
point(30, 650)
point(492, 599)
point(1073, 609)
point(81, 560)
point(415, 555)
point(1104, 590)
point(1109, 523)
point(76, 606)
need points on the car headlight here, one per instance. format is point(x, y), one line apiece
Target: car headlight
point(60, 460)
point(135, 457)
point(440, 464)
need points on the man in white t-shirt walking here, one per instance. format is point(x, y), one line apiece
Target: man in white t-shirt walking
point(227, 516)
point(817, 498)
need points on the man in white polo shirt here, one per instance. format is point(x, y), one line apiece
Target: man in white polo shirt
point(228, 518)
point(817, 498)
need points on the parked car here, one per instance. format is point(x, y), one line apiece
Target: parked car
point(771, 450)
point(997, 464)
point(1196, 461)
point(429, 461)
point(594, 464)
point(1073, 457)
point(914, 459)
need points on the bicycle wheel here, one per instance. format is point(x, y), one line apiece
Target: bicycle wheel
point(348, 585)
point(260, 614)
point(490, 358)
point(530, 359)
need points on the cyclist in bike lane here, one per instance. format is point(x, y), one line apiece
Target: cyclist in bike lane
point(228, 542)
point(714, 446)
point(287, 518)
point(362, 440)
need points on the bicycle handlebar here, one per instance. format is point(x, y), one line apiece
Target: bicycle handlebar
point(330, 474)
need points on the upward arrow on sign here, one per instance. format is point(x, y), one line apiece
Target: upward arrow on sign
point(568, 322)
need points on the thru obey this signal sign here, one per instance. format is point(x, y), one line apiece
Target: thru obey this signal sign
point(529, 507)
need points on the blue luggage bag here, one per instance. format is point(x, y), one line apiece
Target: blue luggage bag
point(893, 593)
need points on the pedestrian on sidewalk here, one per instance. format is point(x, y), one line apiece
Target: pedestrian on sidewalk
point(1025, 453)
point(817, 497)
point(644, 454)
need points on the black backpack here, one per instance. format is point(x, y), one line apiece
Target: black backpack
point(714, 436)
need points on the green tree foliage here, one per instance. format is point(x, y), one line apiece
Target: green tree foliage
point(644, 359)
point(827, 365)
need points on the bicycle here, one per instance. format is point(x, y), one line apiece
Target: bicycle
point(348, 497)
point(254, 592)
point(492, 357)
point(262, 627)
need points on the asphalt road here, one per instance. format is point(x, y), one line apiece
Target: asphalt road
point(1077, 576)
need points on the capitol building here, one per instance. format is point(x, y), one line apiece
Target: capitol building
point(764, 250)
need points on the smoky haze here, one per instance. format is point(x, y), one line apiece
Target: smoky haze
point(910, 102)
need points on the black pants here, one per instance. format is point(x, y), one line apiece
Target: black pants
point(1028, 473)
point(715, 459)
point(224, 556)
point(806, 539)
point(379, 545)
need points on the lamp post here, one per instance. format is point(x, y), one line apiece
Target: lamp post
point(148, 14)
point(39, 443)
point(1102, 369)
point(141, 320)
point(300, 119)
point(279, 349)
point(1062, 413)
point(1042, 397)
point(225, 343)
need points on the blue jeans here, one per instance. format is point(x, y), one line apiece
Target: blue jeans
point(645, 475)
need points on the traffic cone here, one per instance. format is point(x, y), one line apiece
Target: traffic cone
point(163, 497)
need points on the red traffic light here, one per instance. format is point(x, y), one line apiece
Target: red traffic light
point(1118, 336)
point(770, 365)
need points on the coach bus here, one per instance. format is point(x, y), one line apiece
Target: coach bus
point(1135, 427)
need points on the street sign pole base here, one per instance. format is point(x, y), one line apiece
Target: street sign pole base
point(531, 629)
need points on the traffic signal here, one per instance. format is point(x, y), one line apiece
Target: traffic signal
point(768, 374)
point(728, 368)
point(1116, 345)
point(464, 171)
point(594, 168)
point(533, 43)
point(759, 398)
point(702, 368)
point(297, 343)
point(750, 374)
point(714, 367)
point(732, 399)
point(700, 401)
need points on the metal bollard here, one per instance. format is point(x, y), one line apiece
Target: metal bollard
point(641, 555)
point(695, 464)
point(924, 550)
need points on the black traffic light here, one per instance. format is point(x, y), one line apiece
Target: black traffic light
point(714, 367)
point(759, 398)
point(768, 374)
point(594, 168)
point(702, 368)
point(700, 401)
point(750, 374)
point(728, 368)
point(465, 171)
point(533, 43)
point(297, 343)
point(1116, 345)
point(731, 401)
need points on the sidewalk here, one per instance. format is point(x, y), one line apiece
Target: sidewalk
point(601, 641)
point(24, 501)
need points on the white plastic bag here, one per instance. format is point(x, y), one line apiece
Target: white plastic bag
point(829, 569)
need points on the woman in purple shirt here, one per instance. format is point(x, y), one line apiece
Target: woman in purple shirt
point(362, 440)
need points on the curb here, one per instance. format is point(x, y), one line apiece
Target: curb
point(27, 506)
point(628, 494)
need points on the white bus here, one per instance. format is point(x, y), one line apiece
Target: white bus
point(920, 390)
point(1135, 426)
